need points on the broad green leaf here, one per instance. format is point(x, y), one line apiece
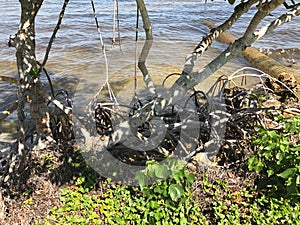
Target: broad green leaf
point(292, 189)
point(251, 162)
point(175, 165)
point(150, 169)
point(178, 176)
point(183, 220)
point(282, 147)
point(159, 189)
point(287, 173)
point(255, 164)
point(161, 171)
point(279, 156)
point(158, 216)
point(190, 177)
point(153, 204)
point(175, 191)
point(141, 178)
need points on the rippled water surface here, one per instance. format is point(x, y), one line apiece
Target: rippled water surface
point(177, 28)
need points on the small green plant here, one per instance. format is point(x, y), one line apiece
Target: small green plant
point(248, 206)
point(169, 198)
point(79, 208)
point(167, 201)
point(278, 156)
point(158, 203)
point(34, 72)
point(172, 180)
point(48, 161)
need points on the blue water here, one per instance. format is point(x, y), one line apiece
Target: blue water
point(177, 28)
point(172, 20)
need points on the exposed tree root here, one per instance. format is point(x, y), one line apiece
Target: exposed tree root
point(228, 105)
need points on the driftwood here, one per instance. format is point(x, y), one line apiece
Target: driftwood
point(257, 58)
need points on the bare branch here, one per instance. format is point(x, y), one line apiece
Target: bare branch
point(65, 109)
point(9, 79)
point(257, 58)
point(285, 18)
point(214, 33)
point(188, 81)
point(61, 15)
point(4, 114)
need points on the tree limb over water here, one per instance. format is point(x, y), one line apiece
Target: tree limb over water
point(188, 81)
point(254, 56)
point(189, 78)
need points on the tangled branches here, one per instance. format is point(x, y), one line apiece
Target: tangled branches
point(225, 120)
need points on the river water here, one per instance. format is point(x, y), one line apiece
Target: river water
point(177, 27)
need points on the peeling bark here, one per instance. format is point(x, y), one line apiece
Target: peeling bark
point(32, 92)
point(30, 89)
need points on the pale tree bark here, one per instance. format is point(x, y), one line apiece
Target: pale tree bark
point(239, 10)
point(32, 92)
point(249, 37)
point(30, 89)
point(147, 111)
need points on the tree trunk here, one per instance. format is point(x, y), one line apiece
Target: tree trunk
point(30, 87)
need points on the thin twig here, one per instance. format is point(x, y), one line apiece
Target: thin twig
point(110, 91)
point(136, 49)
point(118, 23)
point(114, 22)
point(61, 15)
point(9, 79)
point(4, 114)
